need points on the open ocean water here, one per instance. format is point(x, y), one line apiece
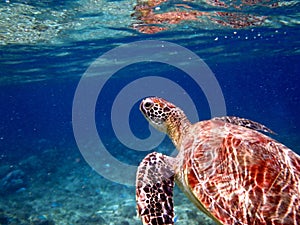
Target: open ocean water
point(47, 47)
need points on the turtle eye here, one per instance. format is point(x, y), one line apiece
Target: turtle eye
point(148, 105)
point(166, 109)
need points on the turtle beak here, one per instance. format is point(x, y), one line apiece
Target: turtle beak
point(142, 108)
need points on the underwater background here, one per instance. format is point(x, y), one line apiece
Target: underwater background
point(251, 47)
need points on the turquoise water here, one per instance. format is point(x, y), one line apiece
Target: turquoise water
point(47, 47)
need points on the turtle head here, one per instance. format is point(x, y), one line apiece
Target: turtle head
point(157, 111)
point(165, 117)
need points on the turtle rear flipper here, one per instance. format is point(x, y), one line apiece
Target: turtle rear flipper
point(154, 190)
point(244, 123)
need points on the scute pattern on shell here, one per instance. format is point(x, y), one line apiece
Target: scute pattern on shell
point(244, 123)
point(239, 175)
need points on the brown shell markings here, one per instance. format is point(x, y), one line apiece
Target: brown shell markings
point(239, 175)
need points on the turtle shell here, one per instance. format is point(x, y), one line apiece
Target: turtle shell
point(239, 176)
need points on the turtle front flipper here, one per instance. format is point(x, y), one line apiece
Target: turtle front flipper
point(244, 123)
point(154, 189)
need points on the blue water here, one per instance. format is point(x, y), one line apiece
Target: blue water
point(256, 67)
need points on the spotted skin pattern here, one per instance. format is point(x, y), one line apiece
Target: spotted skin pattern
point(236, 175)
point(155, 182)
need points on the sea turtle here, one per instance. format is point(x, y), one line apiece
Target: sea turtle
point(229, 170)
